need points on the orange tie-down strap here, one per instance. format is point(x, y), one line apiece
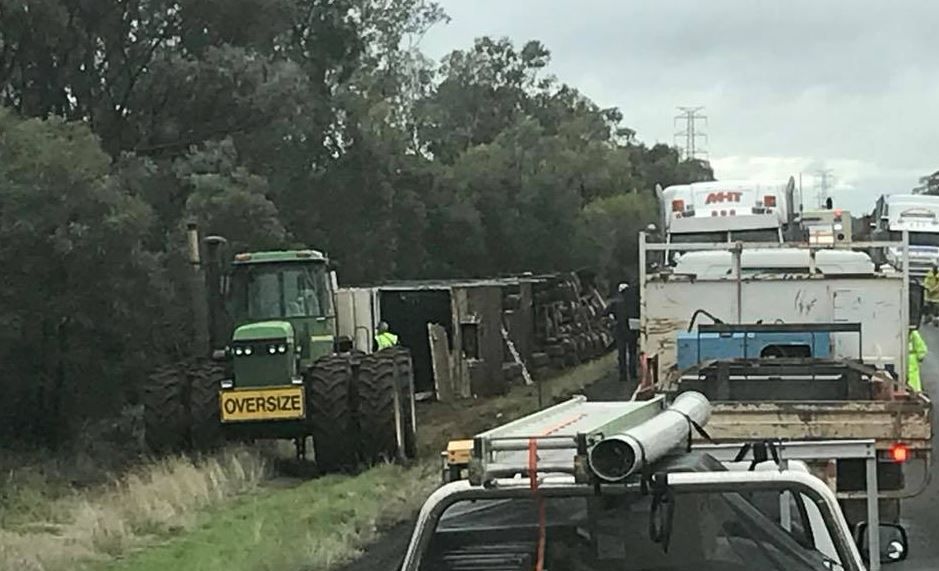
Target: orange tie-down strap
point(533, 479)
point(539, 500)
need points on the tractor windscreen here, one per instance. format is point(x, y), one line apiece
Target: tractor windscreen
point(269, 291)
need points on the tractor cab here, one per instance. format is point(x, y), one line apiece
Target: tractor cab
point(281, 306)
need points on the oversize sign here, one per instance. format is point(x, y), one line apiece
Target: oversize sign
point(727, 196)
point(282, 403)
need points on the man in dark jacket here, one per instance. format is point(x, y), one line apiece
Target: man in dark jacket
point(621, 308)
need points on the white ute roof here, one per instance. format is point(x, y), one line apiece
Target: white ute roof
point(829, 262)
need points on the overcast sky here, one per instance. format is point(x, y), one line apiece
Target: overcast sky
point(787, 86)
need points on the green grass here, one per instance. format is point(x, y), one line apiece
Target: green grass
point(314, 526)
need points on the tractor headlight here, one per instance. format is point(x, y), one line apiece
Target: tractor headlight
point(271, 349)
point(239, 351)
point(248, 350)
point(281, 348)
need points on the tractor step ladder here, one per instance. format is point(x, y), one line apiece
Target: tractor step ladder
point(561, 436)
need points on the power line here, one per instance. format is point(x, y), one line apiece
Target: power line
point(687, 138)
point(824, 181)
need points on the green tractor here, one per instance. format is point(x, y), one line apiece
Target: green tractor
point(272, 366)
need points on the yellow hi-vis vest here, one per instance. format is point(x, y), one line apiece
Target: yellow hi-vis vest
point(385, 340)
point(917, 354)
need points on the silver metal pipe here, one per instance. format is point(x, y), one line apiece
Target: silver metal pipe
point(616, 457)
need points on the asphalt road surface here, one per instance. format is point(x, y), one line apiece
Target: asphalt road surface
point(920, 515)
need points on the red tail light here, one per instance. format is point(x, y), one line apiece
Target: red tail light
point(769, 201)
point(678, 205)
point(899, 452)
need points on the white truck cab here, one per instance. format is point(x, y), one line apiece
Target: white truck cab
point(918, 214)
point(727, 211)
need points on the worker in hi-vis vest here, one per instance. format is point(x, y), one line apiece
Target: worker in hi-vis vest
point(917, 354)
point(385, 338)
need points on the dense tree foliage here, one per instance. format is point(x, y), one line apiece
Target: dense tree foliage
point(275, 123)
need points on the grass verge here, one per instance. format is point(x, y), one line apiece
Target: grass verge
point(315, 526)
point(50, 527)
point(441, 422)
point(214, 514)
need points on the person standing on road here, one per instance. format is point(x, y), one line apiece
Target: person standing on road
point(619, 309)
point(931, 285)
point(917, 352)
point(385, 338)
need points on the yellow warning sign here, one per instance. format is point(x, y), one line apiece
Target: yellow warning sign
point(281, 403)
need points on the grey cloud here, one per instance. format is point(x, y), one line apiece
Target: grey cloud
point(854, 82)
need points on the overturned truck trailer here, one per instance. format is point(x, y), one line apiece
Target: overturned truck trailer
point(458, 330)
point(793, 343)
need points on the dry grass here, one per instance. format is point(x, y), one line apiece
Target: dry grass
point(67, 526)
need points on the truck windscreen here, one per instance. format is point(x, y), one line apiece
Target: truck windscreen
point(917, 238)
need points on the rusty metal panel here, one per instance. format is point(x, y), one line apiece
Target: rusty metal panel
point(668, 305)
point(884, 421)
point(478, 309)
point(442, 362)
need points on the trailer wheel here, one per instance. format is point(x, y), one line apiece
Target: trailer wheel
point(329, 408)
point(376, 388)
point(164, 410)
point(205, 428)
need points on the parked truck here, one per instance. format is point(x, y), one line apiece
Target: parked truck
point(268, 364)
point(916, 214)
point(727, 211)
point(811, 349)
point(603, 486)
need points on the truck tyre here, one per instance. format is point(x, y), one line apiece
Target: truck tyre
point(205, 425)
point(164, 410)
point(329, 408)
point(376, 412)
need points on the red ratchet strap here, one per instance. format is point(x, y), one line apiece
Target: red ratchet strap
point(539, 500)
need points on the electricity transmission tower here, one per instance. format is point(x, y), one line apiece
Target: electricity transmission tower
point(824, 181)
point(687, 138)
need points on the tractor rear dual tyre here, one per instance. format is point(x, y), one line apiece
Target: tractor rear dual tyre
point(205, 424)
point(376, 391)
point(331, 413)
point(181, 408)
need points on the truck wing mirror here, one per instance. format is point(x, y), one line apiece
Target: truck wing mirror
point(894, 544)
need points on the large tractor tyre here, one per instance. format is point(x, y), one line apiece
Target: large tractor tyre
point(329, 407)
point(377, 418)
point(405, 369)
point(164, 410)
point(205, 424)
